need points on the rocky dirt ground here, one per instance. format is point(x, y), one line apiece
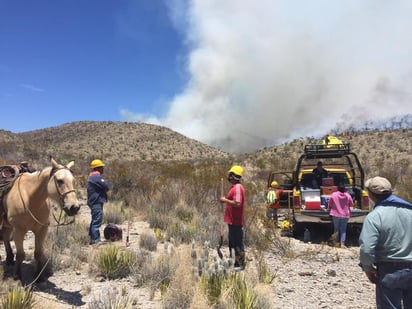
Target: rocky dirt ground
point(313, 275)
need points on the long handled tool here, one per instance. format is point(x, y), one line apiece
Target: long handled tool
point(219, 251)
point(128, 226)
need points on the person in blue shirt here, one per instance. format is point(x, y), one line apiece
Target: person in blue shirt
point(386, 245)
point(97, 188)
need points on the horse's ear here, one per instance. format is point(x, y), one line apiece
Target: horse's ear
point(54, 163)
point(69, 166)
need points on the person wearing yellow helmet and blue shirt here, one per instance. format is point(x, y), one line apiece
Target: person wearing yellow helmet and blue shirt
point(97, 188)
point(234, 215)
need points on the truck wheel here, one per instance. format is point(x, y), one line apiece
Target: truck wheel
point(298, 229)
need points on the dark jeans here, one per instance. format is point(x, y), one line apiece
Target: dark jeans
point(236, 243)
point(394, 285)
point(96, 222)
point(272, 214)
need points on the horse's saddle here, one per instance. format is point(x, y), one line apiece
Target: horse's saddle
point(8, 174)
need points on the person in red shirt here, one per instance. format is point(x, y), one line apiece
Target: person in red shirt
point(234, 215)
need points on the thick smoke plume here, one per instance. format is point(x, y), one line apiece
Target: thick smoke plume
point(266, 71)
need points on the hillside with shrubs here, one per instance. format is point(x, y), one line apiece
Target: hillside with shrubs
point(173, 183)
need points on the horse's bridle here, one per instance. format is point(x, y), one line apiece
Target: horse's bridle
point(63, 195)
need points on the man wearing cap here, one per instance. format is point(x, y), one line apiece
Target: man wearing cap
point(386, 245)
point(97, 189)
point(234, 215)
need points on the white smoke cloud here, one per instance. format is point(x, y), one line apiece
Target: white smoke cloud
point(265, 71)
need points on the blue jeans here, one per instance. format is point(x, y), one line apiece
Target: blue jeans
point(394, 285)
point(340, 225)
point(96, 222)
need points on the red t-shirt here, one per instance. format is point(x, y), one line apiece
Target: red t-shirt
point(235, 215)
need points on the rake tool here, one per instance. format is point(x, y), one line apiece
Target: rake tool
point(128, 226)
point(219, 251)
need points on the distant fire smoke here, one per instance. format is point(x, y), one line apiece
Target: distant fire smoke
point(262, 72)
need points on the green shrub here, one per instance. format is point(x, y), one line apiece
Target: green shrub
point(114, 263)
point(114, 213)
point(66, 240)
point(111, 299)
point(265, 275)
point(181, 232)
point(212, 285)
point(148, 242)
point(157, 218)
point(156, 273)
point(184, 214)
point(239, 294)
point(18, 298)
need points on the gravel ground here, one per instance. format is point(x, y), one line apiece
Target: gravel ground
point(320, 276)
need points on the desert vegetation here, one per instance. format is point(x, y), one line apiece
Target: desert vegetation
point(176, 190)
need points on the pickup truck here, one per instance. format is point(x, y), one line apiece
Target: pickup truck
point(306, 199)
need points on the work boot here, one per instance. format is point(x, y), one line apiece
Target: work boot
point(240, 260)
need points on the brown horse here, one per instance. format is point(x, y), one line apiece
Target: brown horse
point(27, 209)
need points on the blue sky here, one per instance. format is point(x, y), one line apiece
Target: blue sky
point(63, 61)
point(236, 74)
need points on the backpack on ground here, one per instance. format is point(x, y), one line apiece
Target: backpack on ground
point(112, 232)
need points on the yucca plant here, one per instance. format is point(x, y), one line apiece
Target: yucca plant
point(114, 263)
point(18, 298)
point(237, 291)
point(265, 275)
point(212, 284)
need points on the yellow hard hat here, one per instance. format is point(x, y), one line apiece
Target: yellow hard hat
point(285, 225)
point(96, 163)
point(237, 170)
point(274, 184)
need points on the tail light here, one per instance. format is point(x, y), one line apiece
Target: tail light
point(296, 201)
point(365, 202)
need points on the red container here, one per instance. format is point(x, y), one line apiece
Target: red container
point(327, 181)
point(328, 190)
point(312, 203)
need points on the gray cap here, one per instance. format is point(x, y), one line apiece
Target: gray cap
point(378, 185)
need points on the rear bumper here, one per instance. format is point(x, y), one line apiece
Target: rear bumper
point(321, 216)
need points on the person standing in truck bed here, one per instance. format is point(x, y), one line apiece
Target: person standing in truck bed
point(319, 172)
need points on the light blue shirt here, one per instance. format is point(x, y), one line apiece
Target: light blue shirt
point(387, 233)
